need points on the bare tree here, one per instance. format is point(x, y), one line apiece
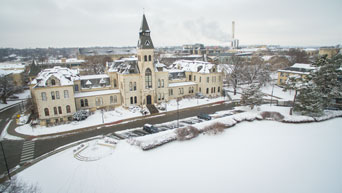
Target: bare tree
point(236, 72)
point(7, 87)
point(256, 71)
point(298, 56)
point(17, 186)
point(96, 64)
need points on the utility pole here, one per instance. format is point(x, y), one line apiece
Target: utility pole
point(177, 113)
point(102, 116)
point(272, 94)
point(3, 153)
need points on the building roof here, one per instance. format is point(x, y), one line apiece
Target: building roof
point(94, 76)
point(299, 68)
point(181, 84)
point(66, 76)
point(97, 93)
point(124, 66)
point(194, 66)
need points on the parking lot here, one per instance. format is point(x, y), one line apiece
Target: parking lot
point(137, 132)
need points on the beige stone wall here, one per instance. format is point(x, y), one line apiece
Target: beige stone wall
point(18, 79)
point(283, 76)
point(181, 91)
point(330, 52)
point(104, 102)
point(49, 103)
point(126, 85)
point(162, 92)
point(215, 81)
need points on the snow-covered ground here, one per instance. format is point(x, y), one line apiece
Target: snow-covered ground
point(109, 117)
point(258, 156)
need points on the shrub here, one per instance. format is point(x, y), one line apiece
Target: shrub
point(214, 128)
point(186, 133)
point(272, 115)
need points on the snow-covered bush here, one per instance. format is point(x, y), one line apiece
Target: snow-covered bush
point(80, 115)
point(272, 115)
point(186, 133)
point(214, 128)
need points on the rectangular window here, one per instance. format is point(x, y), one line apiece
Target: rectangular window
point(189, 77)
point(135, 100)
point(76, 88)
point(131, 100)
point(57, 94)
point(66, 94)
point(200, 79)
point(115, 99)
point(163, 96)
point(53, 95)
point(43, 96)
point(159, 83)
point(208, 79)
point(114, 83)
point(135, 86)
point(162, 83)
point(194, 77)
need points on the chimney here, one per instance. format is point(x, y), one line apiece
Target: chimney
point(233, 30)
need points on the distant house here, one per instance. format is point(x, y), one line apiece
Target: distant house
point(297, 69)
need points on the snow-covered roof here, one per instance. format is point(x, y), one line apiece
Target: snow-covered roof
point(66, 76)
point(97, 93)
point(11, 66)
point(94, 76)
point(304, 66)
point(182, 84)
point(60, 61)
point(124, 66)
point(194, 66)
point(299, 68)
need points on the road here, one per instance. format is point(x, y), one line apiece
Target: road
point(13, 148)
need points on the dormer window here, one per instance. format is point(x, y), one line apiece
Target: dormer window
point(147, 43)
point(53, 82)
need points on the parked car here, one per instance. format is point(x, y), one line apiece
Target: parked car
point(80, 115)
point(150, 128)
point(204, 116)
point(200, 95)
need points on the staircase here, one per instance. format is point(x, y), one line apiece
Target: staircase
point(152, 109)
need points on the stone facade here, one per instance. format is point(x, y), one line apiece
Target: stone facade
point(127, 82)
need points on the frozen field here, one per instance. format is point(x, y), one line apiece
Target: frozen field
point(258, 156)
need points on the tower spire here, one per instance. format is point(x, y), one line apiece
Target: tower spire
point(145, 41)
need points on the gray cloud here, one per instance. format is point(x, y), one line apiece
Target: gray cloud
point(63, 23)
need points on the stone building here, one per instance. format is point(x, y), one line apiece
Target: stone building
point(59, 92)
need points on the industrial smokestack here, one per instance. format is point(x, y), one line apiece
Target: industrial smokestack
point(233, 30)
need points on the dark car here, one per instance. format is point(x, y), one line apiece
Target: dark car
point(204, 116)
point(150, 128)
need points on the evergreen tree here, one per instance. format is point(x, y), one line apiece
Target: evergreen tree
point(309, 100)
point(328, 78)
point(252, 95)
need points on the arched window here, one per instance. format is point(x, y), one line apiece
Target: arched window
point(85, 102)
point(53, 82)
point(189, 89)
point(145, 58)
point(135, 100)
point(115, 99)
point(158, 83)
point(82, 103)
point(46, 111)
point(207, 90)
point(68, 110)
point(55, 110)
point(111, 99)
point(162, 85)
point(149, 58)
point(131, 100)
point(148, 78)
point(135, 86)
point(60, 110)
point(130, 86)
point(218, 89)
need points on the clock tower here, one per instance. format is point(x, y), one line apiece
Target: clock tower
point(145, 63)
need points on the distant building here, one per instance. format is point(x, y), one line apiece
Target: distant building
point(112, 52)
point(59, 92)
point(330, 52)
point(15, 71)
point(297, 69)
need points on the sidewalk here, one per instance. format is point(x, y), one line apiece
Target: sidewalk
point(11, 129)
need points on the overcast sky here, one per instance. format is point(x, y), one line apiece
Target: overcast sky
point(81, 23)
